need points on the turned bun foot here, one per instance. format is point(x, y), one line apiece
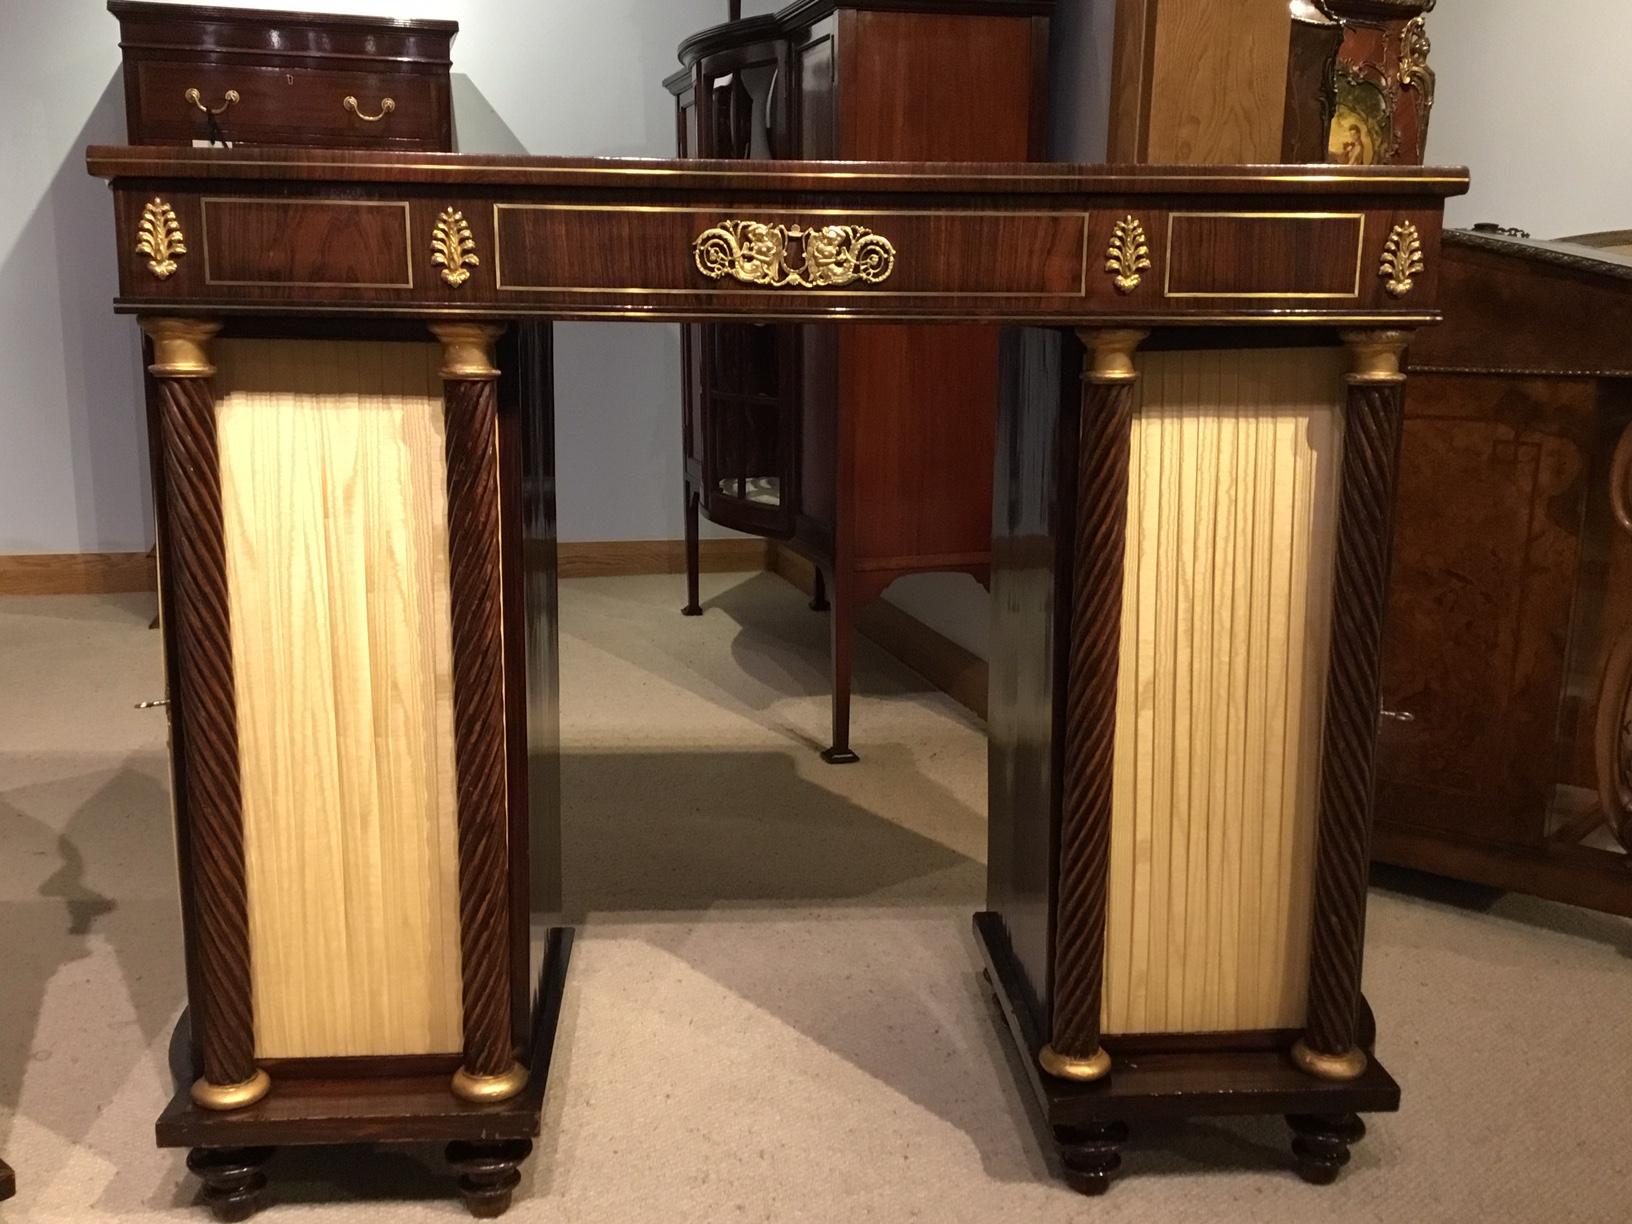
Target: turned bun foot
point(1321, 1144)
point(1090, 1154)
point(232, 1179)
point(488, 1174)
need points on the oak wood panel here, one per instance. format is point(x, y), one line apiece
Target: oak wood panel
point(1226, 623)
point(1205, 82)
point(332, 479)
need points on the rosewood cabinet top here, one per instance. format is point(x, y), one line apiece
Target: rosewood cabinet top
point(310, 230)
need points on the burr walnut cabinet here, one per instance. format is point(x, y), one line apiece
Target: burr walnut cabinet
point(867, 450)
point(1506, 755)
point(1145, 371)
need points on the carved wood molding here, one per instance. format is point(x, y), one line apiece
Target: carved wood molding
point(471, 400)
point(1365, 532)
point(1104, 441)
point(224, 1017)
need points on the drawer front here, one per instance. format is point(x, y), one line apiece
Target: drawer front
point(301, 106)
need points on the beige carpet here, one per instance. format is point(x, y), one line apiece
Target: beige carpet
point(775, 1010)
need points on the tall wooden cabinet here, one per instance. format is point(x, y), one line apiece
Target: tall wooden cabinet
point(865, 449)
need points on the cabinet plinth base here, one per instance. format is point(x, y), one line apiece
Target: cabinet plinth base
point(1087, 1121)
point(487, 1142)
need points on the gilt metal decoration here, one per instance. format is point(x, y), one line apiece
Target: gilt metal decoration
point(827, 256)
point(159, 237)
point(1129, 254)
point(453, 249)
point(1402, 259)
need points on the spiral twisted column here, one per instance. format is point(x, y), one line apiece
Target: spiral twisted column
point(490, 1071)
point(1093, 651)
point(1365, 536)
point(224, 1019)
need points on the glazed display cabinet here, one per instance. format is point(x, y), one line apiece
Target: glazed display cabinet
point(865, 449)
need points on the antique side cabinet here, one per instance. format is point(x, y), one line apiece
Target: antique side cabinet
point(866, 450)
point(194, 73)
point(1192, 569)
point(1506, 754)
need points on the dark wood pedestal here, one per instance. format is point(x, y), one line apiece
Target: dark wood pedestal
point(486, 1142)
point(1087, 1123)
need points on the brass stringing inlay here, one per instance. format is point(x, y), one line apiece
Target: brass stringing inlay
point(160, 238)
point(1402, 259)
point(1128, 255)
point(759, 254)
point(453, 249)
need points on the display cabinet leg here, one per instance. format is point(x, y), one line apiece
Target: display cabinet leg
point(693, 607)
point(1321, 1144)
point(843, 626)
point(1090, 1154)
point(818, 598)
point(488, 1174)
point(232, 1179)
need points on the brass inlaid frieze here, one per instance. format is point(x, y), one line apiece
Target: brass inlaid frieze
point(759, 254)
point(453, 249)
point(1402, 259)
point(159, 237)
point(1129, 254)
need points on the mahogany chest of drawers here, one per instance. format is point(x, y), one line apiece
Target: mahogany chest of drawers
point(251, 76)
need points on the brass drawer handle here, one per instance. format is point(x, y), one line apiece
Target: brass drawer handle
point(197, 99)
point(387, 105)
point(792, 257)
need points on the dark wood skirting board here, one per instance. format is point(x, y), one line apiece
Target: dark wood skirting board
point(416, 1108)
point(77, 573)
point(1158, 1086)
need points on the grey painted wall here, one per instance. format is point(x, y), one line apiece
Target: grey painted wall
point(1533, 106)
point(543, 76)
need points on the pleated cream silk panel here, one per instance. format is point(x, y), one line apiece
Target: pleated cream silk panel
point(334, 501)
point(1226, 627)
